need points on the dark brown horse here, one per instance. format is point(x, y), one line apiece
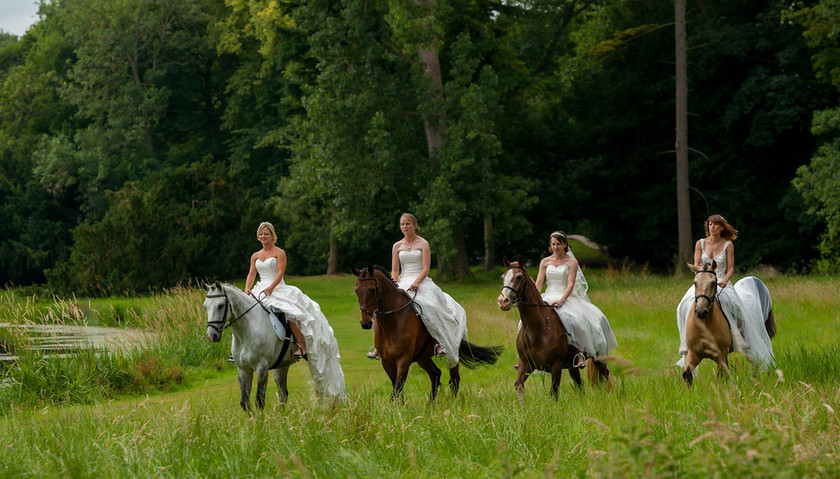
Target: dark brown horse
point(400, 335)
point(542, 342)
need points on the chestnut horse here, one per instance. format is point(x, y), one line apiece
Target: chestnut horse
point(542, 341)
point(401, 337)
point(707, 331)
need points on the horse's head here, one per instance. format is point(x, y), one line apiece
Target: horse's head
point(705, 287)
point(513, 282)
point(217, 305)
point(367, 290)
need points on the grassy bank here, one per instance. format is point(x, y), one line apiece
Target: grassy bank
point(782, 423)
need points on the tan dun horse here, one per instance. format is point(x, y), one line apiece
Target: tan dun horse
point(401, 337)
point(707, 331)
point(542, 342)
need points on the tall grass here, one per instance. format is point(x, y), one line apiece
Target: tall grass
point(781, 423)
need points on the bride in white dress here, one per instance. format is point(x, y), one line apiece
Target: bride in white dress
point(744, 309)
point(445, 319)
point(313, 333)
point(588, 328)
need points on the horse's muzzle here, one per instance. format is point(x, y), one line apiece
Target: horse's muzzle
point(503, 302)
point(366, 324)
point(214, 337)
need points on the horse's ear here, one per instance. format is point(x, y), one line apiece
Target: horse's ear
point(217, 285)
point(714, 265)
point(506, 261)
point(354, 270)
point(370, 269)
point(206, 287)
point(692, 267)
point(521, 260)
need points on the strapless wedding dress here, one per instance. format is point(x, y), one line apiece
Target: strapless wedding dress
point(321, 345)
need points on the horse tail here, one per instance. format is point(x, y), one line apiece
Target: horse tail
point(770, 325)
point(472, 356)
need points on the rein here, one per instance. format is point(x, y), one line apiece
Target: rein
point(228, 307)
point(377, 312)
point(518, 300)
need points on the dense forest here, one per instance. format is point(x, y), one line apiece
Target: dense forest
point(143, 141)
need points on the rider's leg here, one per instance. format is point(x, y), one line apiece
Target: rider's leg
point(298, 338)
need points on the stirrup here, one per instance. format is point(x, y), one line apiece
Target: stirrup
point(373, 353)
point(579, 364)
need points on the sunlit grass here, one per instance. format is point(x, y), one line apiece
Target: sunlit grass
point(774, 424)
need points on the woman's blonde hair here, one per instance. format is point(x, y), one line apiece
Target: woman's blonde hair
point(561, 237)
point(266, 224)
point(729, 232)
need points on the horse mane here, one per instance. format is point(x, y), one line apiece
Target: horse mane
point(233, 287)
point(386, 273)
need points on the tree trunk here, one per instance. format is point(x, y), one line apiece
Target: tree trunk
point(489, 257)
point(332, 259)
point(435, 127)
point(683, 204)
point(458, 266)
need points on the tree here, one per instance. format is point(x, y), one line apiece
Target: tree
point(819, 181)
point(683, 204)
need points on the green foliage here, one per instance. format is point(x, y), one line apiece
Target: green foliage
point(819, 181)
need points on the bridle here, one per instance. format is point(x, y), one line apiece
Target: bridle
point(375, 313)
point(711, 300)
point(219, 325)
point(517, 301)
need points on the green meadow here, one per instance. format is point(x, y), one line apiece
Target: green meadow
point(170, 408)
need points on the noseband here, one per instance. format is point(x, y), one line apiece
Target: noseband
point(518, 291)
point(219, 325)
point(711, 300)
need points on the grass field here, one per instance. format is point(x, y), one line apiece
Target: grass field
point(187, 422)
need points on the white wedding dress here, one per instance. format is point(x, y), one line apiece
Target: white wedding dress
point(588, 328)
point(445, 319)
point(321, 345)
point(744, 306)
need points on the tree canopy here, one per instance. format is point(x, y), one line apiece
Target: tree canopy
point(142, 141)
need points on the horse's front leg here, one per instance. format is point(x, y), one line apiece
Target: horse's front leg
point(556, 374)
point(723, 365)
point(390, 367)
point(262, 386)
point(691, 362)
point(401, 376)
point(246, 377)
point(524, 370)
point(280, 376)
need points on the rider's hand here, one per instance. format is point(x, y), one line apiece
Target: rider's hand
point(414, 287)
